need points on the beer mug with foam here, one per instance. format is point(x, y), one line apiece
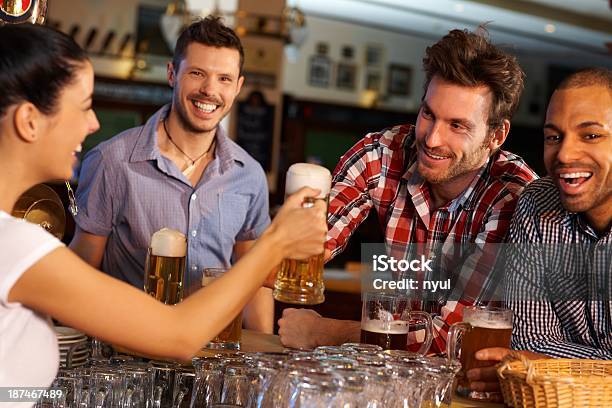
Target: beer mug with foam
point(386, 319)
point(229, 338)
point(301, 282)
point(482, 327)
point(165, 266)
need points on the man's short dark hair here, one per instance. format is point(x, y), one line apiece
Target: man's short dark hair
point(211, 32)
point(588, 77)
point(469, 59)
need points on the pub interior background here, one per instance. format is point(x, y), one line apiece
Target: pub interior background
point(322, 73)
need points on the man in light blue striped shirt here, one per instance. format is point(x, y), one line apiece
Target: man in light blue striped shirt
point(559, 275)
point(180, 170)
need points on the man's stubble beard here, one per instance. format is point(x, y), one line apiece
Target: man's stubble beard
point(458, 169)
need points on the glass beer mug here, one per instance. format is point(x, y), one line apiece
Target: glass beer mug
point(301, 282)
point(165, 266)
point(386, 318)
point(229, 338)
point(482, 327)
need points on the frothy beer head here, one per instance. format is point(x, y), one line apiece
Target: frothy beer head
point(308, 175)
point(169, 243)
point(386, 327)
point(479, 321)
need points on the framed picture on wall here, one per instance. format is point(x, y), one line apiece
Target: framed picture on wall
point(374, 55)
point(319, 73)
point(399, 80)
point(373, 81)
point(345, 76)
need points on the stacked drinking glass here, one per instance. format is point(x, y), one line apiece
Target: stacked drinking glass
point(348, 376)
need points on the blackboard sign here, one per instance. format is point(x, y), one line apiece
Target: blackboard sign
point(255, 129)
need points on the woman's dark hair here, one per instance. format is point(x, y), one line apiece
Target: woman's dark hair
point(36, 63)
point(469, 59)
point(210, 32)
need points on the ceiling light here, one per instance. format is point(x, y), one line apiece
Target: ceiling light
point(459, 8)
point(550, 28)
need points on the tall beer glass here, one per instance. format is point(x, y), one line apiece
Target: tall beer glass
point(482, 327)
point(386, 318)
point(301, 282)
point(229, 338)
point(165, 266)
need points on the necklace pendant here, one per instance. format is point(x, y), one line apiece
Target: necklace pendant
point(189, 170)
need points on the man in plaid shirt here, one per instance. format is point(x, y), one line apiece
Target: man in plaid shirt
point(443, 181)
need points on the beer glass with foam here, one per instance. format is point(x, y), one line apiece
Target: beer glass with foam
point(301, 282)
point(229, 338)
point(165, 266)
point(482, 327)
point(386, 319)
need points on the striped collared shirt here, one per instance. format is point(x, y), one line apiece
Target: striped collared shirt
point(128, 190)
point(560, 284)
point(380, 172)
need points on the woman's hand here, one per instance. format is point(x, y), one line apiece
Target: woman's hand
point(300, 232)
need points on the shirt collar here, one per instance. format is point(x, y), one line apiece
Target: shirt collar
point(576, 221)
point(146, 148)
point(571, 221)
point(228, 152)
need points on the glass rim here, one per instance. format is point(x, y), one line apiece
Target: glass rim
point(384, 294)
point(218, 271)
point(488, 309)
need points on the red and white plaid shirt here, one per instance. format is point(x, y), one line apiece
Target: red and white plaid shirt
point(380, 172)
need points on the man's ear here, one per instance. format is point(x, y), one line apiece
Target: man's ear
point(170, 74)
point(27, 121)
point(499, 135)
point(240, 83)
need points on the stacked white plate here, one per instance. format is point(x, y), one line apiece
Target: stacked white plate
point(71, 339)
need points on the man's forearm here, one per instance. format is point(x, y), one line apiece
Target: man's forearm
point(335, 332)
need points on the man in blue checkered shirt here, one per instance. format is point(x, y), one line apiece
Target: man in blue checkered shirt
point(559, 288)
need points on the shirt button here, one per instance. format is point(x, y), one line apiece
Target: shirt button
point(194, 233)
point(194, 196)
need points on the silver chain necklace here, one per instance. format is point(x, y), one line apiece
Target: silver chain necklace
point(190, 168)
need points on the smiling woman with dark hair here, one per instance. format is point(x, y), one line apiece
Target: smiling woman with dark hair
point(46, 84)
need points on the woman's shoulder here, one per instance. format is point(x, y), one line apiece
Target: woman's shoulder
point(22, 243)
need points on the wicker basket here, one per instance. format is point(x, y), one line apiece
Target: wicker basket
point(553, 383)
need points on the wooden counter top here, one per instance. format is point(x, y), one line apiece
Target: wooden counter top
point(339, 280)
point(252, 341)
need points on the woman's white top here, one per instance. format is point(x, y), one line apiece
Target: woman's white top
point(29, 355)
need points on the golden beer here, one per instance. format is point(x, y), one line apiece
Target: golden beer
point(229, 337)
point(165, 266)
point(481, 328)
point(164, 279)
point(301, 281)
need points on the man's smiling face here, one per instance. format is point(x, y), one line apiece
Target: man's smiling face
point(578, 146)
